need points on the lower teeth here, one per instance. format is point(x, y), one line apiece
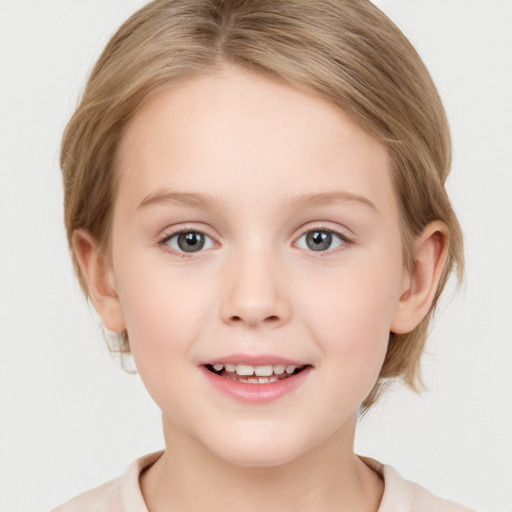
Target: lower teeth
point(254, 380)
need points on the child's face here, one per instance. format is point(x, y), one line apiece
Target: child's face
point(298, 260)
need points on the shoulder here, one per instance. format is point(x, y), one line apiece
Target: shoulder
point(120, 495)
point(401, 495)
point(104, 498)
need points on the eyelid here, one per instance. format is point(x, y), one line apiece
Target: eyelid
point(323, 227)
point(169, 233)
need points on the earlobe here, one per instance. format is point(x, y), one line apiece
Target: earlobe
point(430, 254)
point(99, 278)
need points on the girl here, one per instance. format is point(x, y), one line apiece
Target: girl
point(255, 203)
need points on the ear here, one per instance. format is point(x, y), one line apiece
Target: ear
point(420, 283)
point(99, 277)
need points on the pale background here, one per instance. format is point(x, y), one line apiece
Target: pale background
point(71, 419)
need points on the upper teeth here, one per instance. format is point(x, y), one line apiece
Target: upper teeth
point(260, 371)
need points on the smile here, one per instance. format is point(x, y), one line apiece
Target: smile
point(265, 380)
point(249, 374)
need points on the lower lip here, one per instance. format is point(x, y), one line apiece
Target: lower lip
point(256, 393)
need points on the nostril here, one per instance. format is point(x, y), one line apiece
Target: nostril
point(250, 321)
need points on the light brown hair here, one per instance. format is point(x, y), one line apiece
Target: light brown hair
point(345, 51)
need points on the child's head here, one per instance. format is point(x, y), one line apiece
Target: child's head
point(342, 54)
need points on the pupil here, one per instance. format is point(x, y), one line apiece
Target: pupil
point(191, 241)
point(319, 240)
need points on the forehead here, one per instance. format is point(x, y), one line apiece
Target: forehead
point(259, 136)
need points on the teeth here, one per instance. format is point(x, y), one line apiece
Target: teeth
point(254, 380)
point(279, 369)
point(246, 370)
point(263, 371)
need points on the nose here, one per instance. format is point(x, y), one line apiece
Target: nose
point(255, 292)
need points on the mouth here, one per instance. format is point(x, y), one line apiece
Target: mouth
point(261, 374)
point(256, 379)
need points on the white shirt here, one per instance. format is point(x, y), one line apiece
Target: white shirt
point(124, 494)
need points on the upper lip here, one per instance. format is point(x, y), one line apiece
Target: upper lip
point(254, 360)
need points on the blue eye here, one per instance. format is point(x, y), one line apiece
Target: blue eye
point(189, 241)
point(320, 240)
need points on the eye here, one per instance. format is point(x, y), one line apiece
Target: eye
point(320, 240)
point(189, 241)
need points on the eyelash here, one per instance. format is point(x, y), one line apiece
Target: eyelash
point(163, 242)
point(344, 240)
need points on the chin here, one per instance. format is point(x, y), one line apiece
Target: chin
point(258, 449)
point(258, 458)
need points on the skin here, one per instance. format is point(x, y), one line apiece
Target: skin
point(253, 147)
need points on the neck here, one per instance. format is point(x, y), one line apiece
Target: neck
point(329, 477)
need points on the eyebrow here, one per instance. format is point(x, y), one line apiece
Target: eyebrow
point(309, 200)
point(331, 198)
point(177, 198)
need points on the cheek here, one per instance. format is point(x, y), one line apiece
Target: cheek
point(351, 321)
point(163, 315)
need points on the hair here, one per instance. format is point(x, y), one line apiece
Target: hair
point(344, 51)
